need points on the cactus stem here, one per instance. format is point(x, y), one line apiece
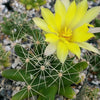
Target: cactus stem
point(42, 68)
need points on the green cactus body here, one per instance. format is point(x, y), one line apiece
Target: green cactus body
point(4, 58)
point(16, 26)
point(32, 3)
point(44, 76)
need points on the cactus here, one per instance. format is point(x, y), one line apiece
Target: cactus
point(32, 3)
point(4, 58)
point(45, 76)
point(94, 63)
point(16, 26)
point(97, 24)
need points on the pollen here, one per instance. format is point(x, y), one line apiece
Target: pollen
point(66, 33)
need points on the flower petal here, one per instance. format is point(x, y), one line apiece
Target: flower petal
point(70, 13)
point(81, 34)
point(52, 38)
point(81, 10)
point(66, 3)
point(41, 23)
point(88, 47)
point(82, 37)
point(62, 51)
point(50, 49)
point(61, 10)
point(74, 48)
point(48, 17)
point(58, 21)
point(90, 15)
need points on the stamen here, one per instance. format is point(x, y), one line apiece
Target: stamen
point(66, 33)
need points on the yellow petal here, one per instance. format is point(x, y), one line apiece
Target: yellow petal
point(52, 30)
point(82, 37)
point(70, 13)
point(90, 15)
point(81, 34)
point(61, 10)
point(88, 47)
point(52, 38)
point(66, 3)
point(41, 23)
point(48, 17)
point(62, 51)
point(58, 21)
point(74, 48)
point(50, 49)
point(81, 10)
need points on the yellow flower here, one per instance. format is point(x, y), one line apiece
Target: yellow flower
point(67, 29)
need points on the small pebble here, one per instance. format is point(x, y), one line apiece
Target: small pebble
point(95, 82)
point(7, 48)
point(91, 76)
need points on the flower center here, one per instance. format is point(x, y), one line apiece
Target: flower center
point(66, 33)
